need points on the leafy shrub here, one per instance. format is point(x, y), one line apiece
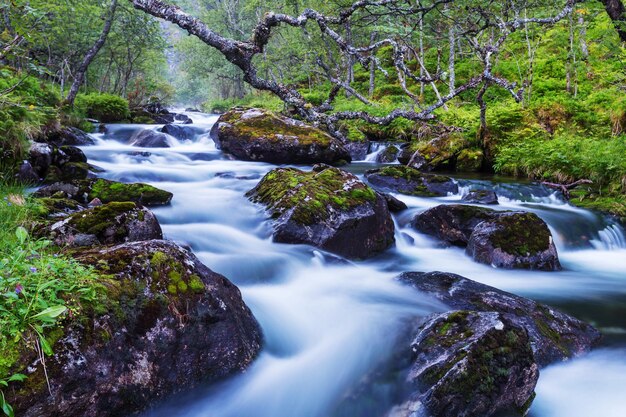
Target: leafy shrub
point(107, 108)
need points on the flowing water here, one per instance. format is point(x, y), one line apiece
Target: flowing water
point(330, 326)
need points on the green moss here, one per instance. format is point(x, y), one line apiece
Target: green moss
point(272, 128)
point(521, 234)
point(606, 202)
point(311, 195)
point(195, 284)
point(98, 219)
point(110, 191)
point(469, 160)
point(57, 205)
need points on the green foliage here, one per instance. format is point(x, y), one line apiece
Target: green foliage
point(106, 108)
point(38, 288)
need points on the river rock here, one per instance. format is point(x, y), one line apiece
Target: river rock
point(106, 191)
point(328, 208)
point(162, 323)
point(259, 135)
point(179, 132)
point(406, 180)
point(470, 363)
point(40, 158)
point(502, 239)
point(26, 174)
point(183, 119)
point(148, 138)
point(358, 150)
point(514, 240)
point(388, 155)
point(452, 223)
point(61, 136)
point(481, 197)
point(554, 336)
point(394, 205)
point(110, 223)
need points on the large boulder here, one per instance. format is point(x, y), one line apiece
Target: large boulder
point(161, 323)
point(438, 153)
point(406, 180)
point(481, 356)
point(259, 135)
point(110, 223)
point(452, 223)
point(106, 191)
point(147, 138)
point(514, 240)
point(328, 208)
point(470, 363)
point(502, 239)
point(554, 336)
point(40, 158)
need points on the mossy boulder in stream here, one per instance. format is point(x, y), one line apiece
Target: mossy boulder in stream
point(481, 356)
point(514, 240)
point(502, 239)
point(163, 323)
point(406, 180)
point(107, 224)
point(470, 363)
point(328, 208)
point(260, 135)
point(554, 336)
point(106, 191)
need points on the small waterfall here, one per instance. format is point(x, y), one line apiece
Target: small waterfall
point(611, 237)
point(375, 149)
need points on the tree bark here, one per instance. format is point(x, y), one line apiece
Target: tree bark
point(91, 54)
point(617, 12)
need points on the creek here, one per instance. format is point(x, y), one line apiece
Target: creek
point(330, 326)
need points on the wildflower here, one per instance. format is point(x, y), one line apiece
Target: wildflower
point(18, 289)
point(33, 269)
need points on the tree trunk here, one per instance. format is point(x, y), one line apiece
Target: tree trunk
point(91, 54)
point(372, 68)
point(617, 12)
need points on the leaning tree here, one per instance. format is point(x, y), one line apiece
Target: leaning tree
point(480, 27)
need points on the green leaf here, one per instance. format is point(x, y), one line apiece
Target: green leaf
point(17, 377)
point(45, 346)
point(22, 234)
point(6, 407)
point(50, 313)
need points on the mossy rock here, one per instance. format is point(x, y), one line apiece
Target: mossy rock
point(162, 323)
point(469, 160)
point(436, 154)
point(406, 180)
point(554, 336)
point(59, 205)
point(452, 223)
point(388, 155)
point(471, 363)
point(107, 224)
point(328, 208)
point(481, 197)
point(514, 240)
point(260, 135)
point(107, 191)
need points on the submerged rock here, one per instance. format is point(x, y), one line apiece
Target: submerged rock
point(106, 191)
point(481, 357)
point(554, 336)
point(105, 224)
point(259, 135)
point(406, 180)
point(328, 208)
point(470, 363)
point(147, 138)
point(481, 197)
point(162, 323)
point(503, 239)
